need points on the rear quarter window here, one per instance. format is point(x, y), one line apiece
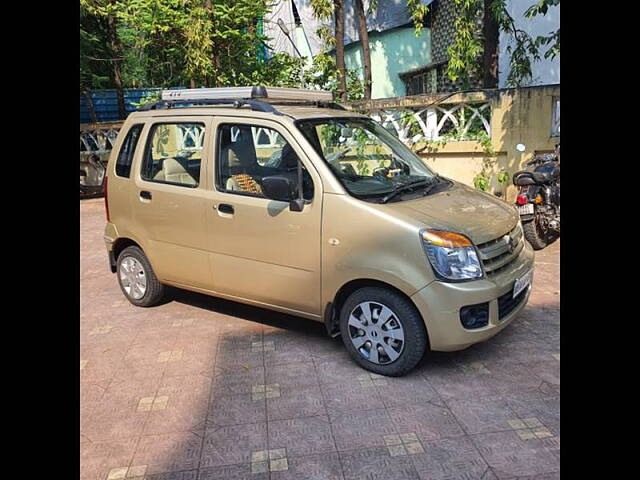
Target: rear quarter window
point(128, 148)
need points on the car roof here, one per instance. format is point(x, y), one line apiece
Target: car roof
point(296, 112)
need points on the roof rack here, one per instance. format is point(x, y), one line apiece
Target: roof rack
point(241, 96)
point(164, 104)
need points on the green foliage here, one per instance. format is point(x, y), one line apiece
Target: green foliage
point(418, 14)
point(481, 181)
point(467, 45)
point(95, 71)
point(355, 86)
point(525, 49)
point(322, 9)
point(361, 138)
point(181, 42)
point(540, 8)
point(503, 177)
point(553, 39)
point(150, 97)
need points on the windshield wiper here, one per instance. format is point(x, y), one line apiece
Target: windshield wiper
point(410, 186)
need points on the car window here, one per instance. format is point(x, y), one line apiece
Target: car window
point(246, 154)
point(125, 156)
point(368, 161)
point(173, 154)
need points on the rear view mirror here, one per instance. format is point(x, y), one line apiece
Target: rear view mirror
point(280, 188)
point(277, 188)
point(346, 132)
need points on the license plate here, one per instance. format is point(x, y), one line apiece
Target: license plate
point(522, 283)
point(525, 209)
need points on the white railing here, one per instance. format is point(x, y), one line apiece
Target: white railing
point(462, 121)
point(98, 138)
point(190, 137)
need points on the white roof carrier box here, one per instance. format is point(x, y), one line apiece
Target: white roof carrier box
point(247, 93)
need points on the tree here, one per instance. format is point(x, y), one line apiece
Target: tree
point(526, 48)
point(339, 35)
point(491, 33)
point(473, 52)
point(116, 61)
point(104, 13)
point(466, 48)
point(364, 41)
point(94, 70)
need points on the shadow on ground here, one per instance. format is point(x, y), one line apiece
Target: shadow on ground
point(201, 388)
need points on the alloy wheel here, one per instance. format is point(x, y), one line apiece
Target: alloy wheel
point(376, 332)
point(133, 278)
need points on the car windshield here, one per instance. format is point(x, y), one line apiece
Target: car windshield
point(367, 159)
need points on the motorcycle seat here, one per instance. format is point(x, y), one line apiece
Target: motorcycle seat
point(524, 177)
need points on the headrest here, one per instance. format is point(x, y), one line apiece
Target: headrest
point(172, 167)
point(289, 158)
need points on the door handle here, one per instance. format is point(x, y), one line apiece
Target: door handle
point(225, 208)
point(145, 194)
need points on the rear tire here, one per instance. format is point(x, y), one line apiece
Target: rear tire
point(132, 289)
point(401, 316)
point(537, 240)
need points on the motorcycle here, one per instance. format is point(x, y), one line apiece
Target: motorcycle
point(538, 200)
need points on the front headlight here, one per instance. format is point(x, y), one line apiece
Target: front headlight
point(452, 256)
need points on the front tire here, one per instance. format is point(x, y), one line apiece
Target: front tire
point(136, 278)
point(382, 331)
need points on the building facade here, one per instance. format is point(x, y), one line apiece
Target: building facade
point(402, 63)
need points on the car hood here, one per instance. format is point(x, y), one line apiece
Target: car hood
point(461, 209)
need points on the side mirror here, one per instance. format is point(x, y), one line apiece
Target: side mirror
point(280, 188)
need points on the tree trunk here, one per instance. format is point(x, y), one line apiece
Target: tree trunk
point(90, 106)
point(215, 58)
point(490, 54)
point(116, 53)
point(364, 40)
point(339, 31)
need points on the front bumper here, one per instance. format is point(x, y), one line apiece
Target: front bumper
point(440, 304)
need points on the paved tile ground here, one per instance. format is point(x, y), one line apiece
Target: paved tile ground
point(201, 389)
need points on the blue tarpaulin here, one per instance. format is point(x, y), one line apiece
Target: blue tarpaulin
point(105, 103)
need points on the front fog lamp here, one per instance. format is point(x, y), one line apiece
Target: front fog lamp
point(452, 256)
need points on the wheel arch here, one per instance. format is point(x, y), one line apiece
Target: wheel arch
point(118, 246)
point(332, 309)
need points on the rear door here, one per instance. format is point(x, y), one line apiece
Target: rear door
point(259, 249)
point(169, 200)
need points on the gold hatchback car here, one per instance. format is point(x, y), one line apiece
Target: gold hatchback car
point(281, 199)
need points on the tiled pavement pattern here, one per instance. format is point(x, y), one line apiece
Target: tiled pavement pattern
point(203, 389)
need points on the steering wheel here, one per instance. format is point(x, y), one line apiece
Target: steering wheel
point(381, 171)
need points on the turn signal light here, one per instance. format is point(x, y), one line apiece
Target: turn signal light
point(446, 239)
point(522, 199)
point(538, 199)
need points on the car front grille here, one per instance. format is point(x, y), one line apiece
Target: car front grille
point(507, 303)
point(497, 254)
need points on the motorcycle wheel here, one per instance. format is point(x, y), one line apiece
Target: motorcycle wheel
point(536, 236)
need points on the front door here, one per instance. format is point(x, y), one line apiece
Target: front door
point(169, 201)
point(260, 250)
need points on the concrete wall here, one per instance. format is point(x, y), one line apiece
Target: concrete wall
point(392, 52)
point(518, 116)
point(521, 115)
